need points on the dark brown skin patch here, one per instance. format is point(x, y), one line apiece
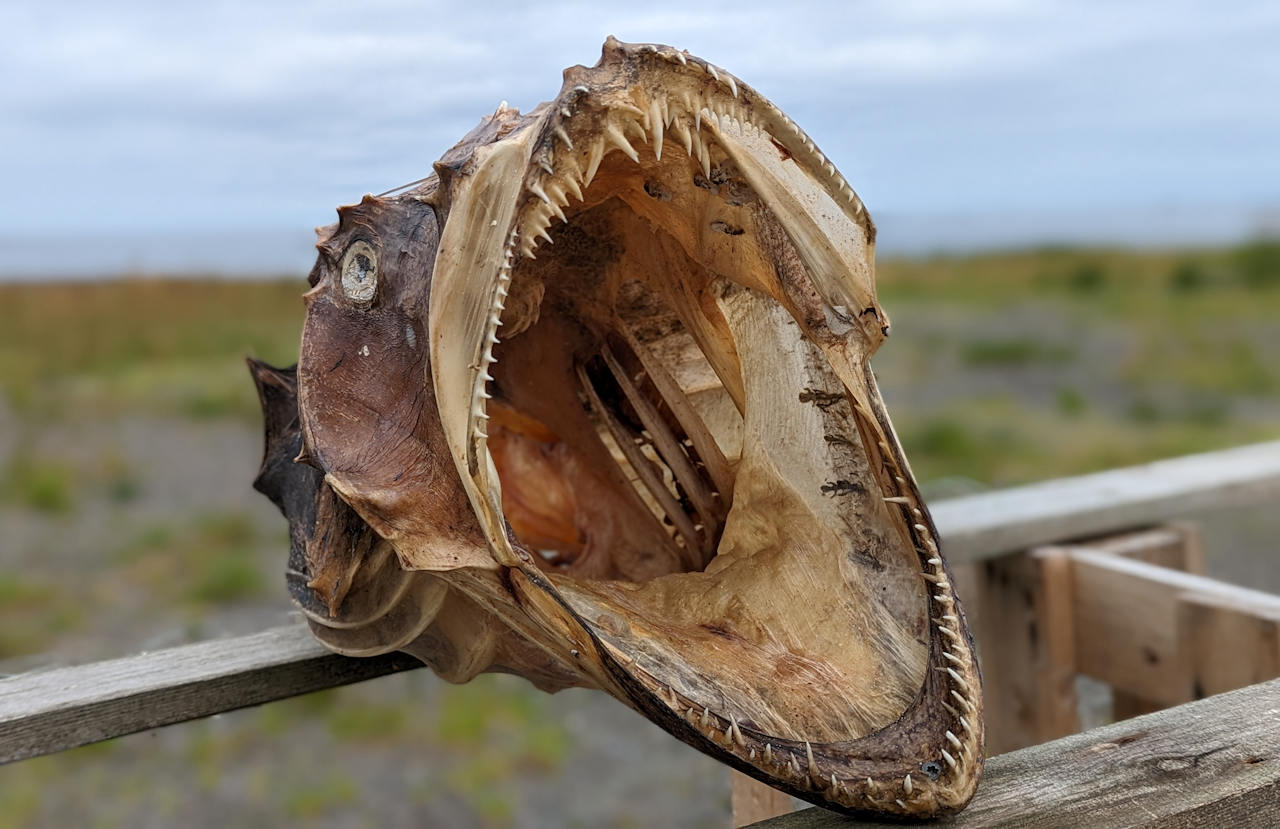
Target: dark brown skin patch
point(385, 446)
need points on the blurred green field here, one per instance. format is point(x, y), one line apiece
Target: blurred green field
point(129, 435)
point(1150, 354)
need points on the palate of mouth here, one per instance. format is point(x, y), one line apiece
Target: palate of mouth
point(703, 489)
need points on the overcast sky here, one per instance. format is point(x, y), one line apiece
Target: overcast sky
point(130, 118)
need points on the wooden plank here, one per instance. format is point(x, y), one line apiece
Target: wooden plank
point(753, 801)
point(1128, 622)
point(995, 523)
point(1215, 762)
point(1227, 646)
point(1027, 649)
point(54, 710)
point(1178, 546)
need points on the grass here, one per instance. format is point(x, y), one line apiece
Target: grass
point(157, 346)
point(1014, 351)
point(33, 611)
point(37, 483)
point(1139, 354)
point(194, 563)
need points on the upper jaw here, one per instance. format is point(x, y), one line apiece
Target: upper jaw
point(505, 183)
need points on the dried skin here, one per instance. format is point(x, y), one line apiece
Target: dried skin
point(593, 405)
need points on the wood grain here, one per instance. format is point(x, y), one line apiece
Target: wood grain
point(55, 710)
point(1178, 546)
point(1215, 762)
point(1026, 641)
point(1128, 630)
point(1007, 521)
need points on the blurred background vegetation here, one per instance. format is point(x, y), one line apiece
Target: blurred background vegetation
point(129, 433)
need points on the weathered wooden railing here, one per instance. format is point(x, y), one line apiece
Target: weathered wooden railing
point(1053, 590)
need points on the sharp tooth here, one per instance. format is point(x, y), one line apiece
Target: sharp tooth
point(682, 130)
point(680, 57)
point(565, 112)
point(813, 766)
point(593, 161)
point(546, 166)
point(563, 136)
point(537, 190)
point(906, 784)
point(655, 125)
point(542, 234)
point(573, 170)
point(736, 733)
point(620, 141)
point(733, 85)
point(571, 184)
point(641, 130)
point(768, 753)
point(704, 156)
point(706, 717)
point(713, 72)
point(558, 197)
point(951, 761)
point(697, 118)
point(955, 741)
point(627, 106)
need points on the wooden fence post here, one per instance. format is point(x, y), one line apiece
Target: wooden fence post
point(1026, 643)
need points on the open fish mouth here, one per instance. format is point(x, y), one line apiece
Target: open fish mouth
point(649, 313)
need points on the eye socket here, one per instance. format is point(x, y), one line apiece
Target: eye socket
point(360, 274)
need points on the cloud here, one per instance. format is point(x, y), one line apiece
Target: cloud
point(158, 115)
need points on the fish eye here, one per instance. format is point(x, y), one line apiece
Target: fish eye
point(360, 273)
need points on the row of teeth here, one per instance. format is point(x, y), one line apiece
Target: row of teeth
point(563, 170)
point(955, 650)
